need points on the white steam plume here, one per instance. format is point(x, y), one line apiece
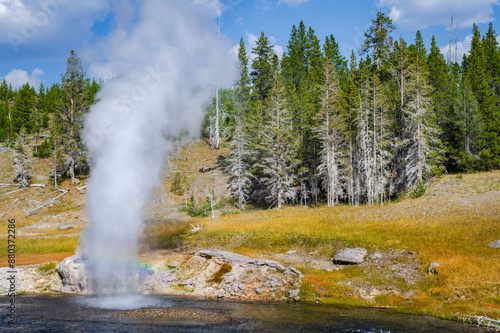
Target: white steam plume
point(165, 58)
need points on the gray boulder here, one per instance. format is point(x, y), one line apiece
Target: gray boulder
point(293, 293)
point(495, 244)
point(64, 226)
point(432, 268)
point(350, 256)
point(72, 273)
point(173, 264)
point(259, 290)
point(239, 258)
point(167, 278)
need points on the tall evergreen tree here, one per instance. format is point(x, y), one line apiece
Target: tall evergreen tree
point(278, 147)
point(22, 160)
point(24, 107)
point(261, 74)
point(421, 131)
point(469, 128)
point(243, 83)
point(238, 162)
point(378, 39)
point(73, 105)
point(478, 80)
point(331, 134)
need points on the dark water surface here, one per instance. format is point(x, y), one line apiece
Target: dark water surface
point(63, 313)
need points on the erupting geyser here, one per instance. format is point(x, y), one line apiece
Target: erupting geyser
point(164, 70)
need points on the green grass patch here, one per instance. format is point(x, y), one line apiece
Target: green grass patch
point(48, 267)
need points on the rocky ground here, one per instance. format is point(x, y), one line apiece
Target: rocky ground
point(222, 274)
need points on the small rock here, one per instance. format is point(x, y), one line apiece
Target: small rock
point(495, 244)
point(293, 293)
point(229, 276)
point(64, 226)
point(259, 290)
point(273, 289)
point(242, 287)
point(376, 256)
point(76, 181)
point(187, 283)
point(168, 278)
point(432, 268)
point(350, 256)
point(220, 294)
point(173, 264)
point(283, 289)
point(275, 284)
point(41, 178)
point(292, 252)
point(296, 298)
point(293, 270)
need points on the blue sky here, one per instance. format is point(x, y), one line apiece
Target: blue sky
point(36, 36)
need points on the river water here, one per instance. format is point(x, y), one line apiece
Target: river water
point(63, 313)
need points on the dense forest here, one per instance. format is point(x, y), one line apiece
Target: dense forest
point(315, 126)
point(312, 126)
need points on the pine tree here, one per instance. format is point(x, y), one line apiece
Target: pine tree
point(331, 134)
point(401, 74)
point(278, 147)
point(238, 163)
point(350, 100)
point(476, 67)
point(421, 131)
point(443, 85)
point(243, 83)
point(378, 39)
point(22, 161)
point(469, 127)
point(261, 74)
point(4, 122)
point(492, 55)
point(332, 51)
point(24, 107)
point(57, 153)
point(73, 105)
point(373, 137)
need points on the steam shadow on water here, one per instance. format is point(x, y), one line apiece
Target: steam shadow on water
point(123, 302)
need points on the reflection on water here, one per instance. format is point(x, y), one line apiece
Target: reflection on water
point(63, 313)
point(123, 302)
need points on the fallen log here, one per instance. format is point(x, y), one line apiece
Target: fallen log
point(35, 206)
point(479, 321)
point(12, 192)
point(29, 185)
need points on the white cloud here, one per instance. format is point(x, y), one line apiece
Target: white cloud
point(419, 14)
point(26, 24)
point(461, 48)
point(251, 43)
point(293, 3)
point(18, 77)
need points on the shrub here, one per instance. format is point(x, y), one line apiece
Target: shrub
point(418, 191)
point(44, 150)
point(178, 184)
